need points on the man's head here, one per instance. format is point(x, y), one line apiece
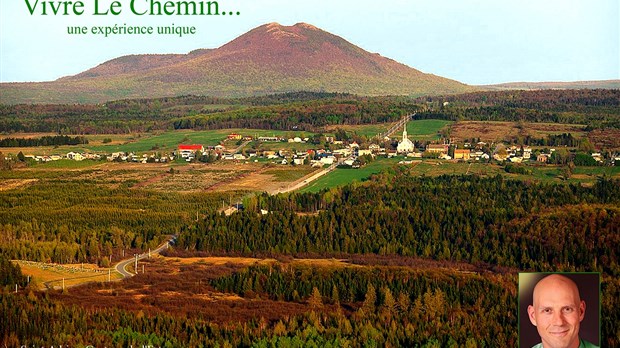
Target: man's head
point(557, 311)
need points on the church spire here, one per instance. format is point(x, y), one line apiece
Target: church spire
point(405, 132)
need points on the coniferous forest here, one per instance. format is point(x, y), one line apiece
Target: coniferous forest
point(396, 260)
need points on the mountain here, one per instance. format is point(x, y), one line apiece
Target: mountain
point(269, 59)
point(602, 84)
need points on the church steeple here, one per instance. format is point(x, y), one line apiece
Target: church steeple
point(405, 132)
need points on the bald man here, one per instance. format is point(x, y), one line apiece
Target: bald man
point(557, 312)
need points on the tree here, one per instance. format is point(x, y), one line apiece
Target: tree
point(370, 300)
point(315, 301)
point(388, 309)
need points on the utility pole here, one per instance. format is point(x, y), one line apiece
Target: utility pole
point(136, 264)
point(109, 275)
point(16, 288)
point(63, 284)
point(149, 253)
point(142, 268)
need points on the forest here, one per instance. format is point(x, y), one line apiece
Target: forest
point(598, 109)
point(58, 222)
point(56, 140)
point(479, 231)
point(428, 261)
point(461, 218)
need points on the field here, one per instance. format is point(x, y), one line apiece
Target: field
point(185, 286)
point(50, 276)
point(498, 131)
point(584, 175)
point(417, 129)
point(426, 129)
point(169, 141)
point(339, 177)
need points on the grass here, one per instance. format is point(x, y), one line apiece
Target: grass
point(53, 274)
point(67, 164)
point(417, 129)
point(550, 174)
point(438, 167)
point(340, 177)
point(170, 140)
point(426, 129)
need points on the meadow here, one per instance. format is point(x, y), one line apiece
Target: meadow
point(340, 177)
point(52, 276)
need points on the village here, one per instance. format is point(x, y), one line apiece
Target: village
point(235, 147)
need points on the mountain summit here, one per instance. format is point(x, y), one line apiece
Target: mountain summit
point(269, 59)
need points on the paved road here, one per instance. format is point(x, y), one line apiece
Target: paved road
point(121, 266)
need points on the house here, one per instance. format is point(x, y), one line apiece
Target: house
point(597, 156)
point(516, 159)
point(527, 153)
point(543, 158)
point(437, 148)
point(219, 148)
point(269, 139)
point(414, 155)
point(364, 152)
point(464, 154)
point(328, 160)
point(343, 152)
point(186, 151)
point(354, 145)
point(374, 147)
point(234, 136)
point(76, 156)
point(500, 157)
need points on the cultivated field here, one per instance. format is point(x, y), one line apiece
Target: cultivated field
point(497, 131)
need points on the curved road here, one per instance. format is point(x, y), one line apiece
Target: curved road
point(120, 267)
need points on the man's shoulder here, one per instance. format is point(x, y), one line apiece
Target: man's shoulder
point(582, 344)
point(585, 344)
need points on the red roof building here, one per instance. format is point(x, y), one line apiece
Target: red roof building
point(191, 148)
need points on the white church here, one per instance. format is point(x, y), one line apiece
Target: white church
point(405, 146)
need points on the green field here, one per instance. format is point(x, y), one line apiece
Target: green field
point(68, 164)
point(340, 177)
point(417, 129)
point(170, 140)
point(425, 129)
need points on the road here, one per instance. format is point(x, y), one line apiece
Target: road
point(120, 267)
point(398, 125)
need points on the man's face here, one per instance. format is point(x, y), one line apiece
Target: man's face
point(557, 312)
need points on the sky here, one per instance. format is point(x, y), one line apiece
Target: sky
point(473, 41)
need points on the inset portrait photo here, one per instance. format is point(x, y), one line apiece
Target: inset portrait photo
point(559, 310)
